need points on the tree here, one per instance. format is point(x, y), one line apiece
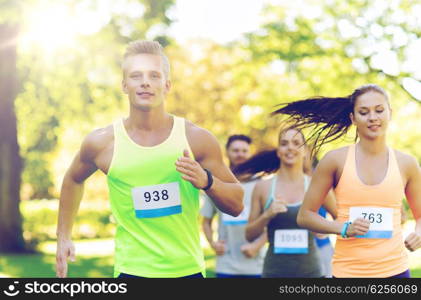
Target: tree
point(11, 239)
point(48, 98)
point(75, 86)
point(330, 48)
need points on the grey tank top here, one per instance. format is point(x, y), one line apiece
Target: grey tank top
point(289, 265)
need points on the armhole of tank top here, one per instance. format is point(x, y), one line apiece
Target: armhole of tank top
point(116, 125)
point(307, 180)
point(345, 163)
point(183, 132)
point(271, 194)
point(392, 156)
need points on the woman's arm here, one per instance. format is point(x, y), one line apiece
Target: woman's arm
point(330, 204)
point(259, 218)
point(413, 195)
point(321, 183)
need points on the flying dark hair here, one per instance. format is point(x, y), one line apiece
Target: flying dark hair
point(328, 117)
point(238, 137)
point(266, 161)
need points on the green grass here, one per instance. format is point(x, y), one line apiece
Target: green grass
point(42, 265)
point(94, 258)
point(90, 262)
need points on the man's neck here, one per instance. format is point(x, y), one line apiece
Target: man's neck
point(147, 120)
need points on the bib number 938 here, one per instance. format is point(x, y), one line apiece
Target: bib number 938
point(156, 196)
point(157, 200)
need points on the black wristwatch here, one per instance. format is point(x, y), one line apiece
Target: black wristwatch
point(210, 180)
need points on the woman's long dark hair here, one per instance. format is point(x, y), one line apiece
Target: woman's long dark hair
point(266, 161)
point(328, 117)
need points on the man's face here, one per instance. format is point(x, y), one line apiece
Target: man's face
point(238, 152)
point(144, 81)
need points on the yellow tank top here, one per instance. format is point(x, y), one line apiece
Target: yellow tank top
point(155, 209)
point(370, 257)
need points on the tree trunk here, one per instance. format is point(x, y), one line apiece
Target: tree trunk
point(11, 238)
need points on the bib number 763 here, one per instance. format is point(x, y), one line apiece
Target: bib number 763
point(373, 218)
point(380, 218)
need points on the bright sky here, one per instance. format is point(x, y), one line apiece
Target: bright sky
point(52, 25)
point(219, 20)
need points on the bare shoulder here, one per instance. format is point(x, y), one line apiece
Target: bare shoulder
point(201, 140)
point(96, 141)
point(263, 186)
point(331, 166)
point(196, 132)
point(405, 158)
point(407, 163)
point(264, 182)
point(335, 157)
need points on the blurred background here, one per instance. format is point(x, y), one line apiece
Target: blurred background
point(231, 61)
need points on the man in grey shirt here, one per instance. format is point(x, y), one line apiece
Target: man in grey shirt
point(235, 256)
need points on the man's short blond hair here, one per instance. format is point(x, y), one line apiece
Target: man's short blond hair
point(147, 47)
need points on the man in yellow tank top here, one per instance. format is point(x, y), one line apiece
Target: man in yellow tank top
point(155, 165)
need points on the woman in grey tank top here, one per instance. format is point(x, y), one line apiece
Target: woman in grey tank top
point(292, 250)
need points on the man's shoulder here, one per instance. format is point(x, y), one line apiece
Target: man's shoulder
point(196, 131)
point(99, 138)
point(200, 140)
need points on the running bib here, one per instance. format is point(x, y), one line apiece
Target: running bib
point(241, 219)
point(157, 200)
point(291, 241)
point(381, 221)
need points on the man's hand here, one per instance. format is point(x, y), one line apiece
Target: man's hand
point(249, 250)
point(191, 171)
point(219, 247)
point(65, 251)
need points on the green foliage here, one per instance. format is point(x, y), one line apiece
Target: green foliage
point(70, 86)
point(10, 11)
point(225, 89)
point(331, 52)
point(40, 221)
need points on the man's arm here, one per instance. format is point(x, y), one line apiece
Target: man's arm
point(218, 246)
point(71, 194)
point(208, 212)
point(226, 192)
point(250, 250)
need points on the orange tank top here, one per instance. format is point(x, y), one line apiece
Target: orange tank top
point(370, 257)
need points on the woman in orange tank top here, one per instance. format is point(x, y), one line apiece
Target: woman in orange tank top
point(369, 180)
